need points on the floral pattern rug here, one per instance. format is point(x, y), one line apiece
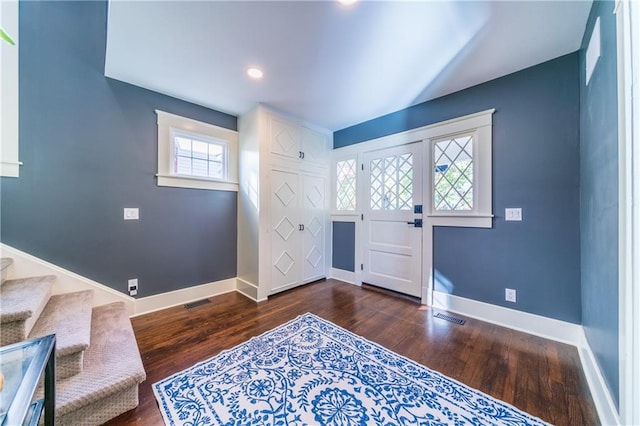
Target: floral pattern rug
point(310, 371)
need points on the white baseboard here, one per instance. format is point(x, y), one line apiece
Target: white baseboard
point(548, 328)
point(602, 399)
point(26, 265)
point(157, 302)
point(560, 331)
point(342, 275)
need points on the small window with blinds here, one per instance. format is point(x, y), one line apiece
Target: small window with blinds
point(198, 156)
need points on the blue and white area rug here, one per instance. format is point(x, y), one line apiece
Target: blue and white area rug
point(310, 371)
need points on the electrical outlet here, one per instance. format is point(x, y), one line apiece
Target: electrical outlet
point(132, 286)
point(510, 295)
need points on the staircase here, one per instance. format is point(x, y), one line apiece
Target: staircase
point(98, 365)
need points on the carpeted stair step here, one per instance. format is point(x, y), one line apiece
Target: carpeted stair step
point(22, 301)
point(5, 262)
point(108, 383)
point(67, 315)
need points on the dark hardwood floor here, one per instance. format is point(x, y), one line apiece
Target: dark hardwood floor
point(539, 376)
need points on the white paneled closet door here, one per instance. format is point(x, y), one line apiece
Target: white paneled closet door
point(313, 235)
point(284, 138)
point(285, 227)
point(314, 146)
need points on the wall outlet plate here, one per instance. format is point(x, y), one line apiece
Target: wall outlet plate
point(132, 286)
point(510, 295)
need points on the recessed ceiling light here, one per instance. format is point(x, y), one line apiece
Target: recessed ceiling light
point(347, 2)
point(255, 73)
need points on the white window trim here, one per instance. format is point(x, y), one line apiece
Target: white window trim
point(474, 203)
point(9, 160)
point(208, 140)
point(482, 196)
point(168, 122)
point(481, 123)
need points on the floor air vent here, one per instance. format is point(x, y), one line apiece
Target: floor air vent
point(450, 318)
point(196, 303)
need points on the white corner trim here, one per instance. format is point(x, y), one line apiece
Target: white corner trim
point(157, 302)
point(549, 328)
point(26, 265)
point(248, 289)
point(342, 275)
point(605, 406)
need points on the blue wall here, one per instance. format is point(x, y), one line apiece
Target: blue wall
point(536, 167)
point(89, 147)
point(599, 197)
point(344, 246)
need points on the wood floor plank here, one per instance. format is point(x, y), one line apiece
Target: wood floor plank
point(536, 375)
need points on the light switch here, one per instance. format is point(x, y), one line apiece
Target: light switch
point(513, 214)
point(131, 213)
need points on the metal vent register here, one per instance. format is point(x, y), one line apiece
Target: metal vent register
point(196, 303)
point(450, 318)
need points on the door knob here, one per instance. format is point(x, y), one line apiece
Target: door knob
point(416, 223)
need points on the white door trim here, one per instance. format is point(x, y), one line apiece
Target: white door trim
point(435, 130)
point(481, 122)
point(628, 49)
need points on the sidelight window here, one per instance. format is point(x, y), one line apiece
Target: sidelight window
point(346, 182)
point(453, 178)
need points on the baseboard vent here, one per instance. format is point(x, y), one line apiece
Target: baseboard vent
point(192, 305)
point(450, 318)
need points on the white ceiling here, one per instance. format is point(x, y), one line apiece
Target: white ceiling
point(328, 64)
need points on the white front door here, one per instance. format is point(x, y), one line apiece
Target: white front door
point(392, 246)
